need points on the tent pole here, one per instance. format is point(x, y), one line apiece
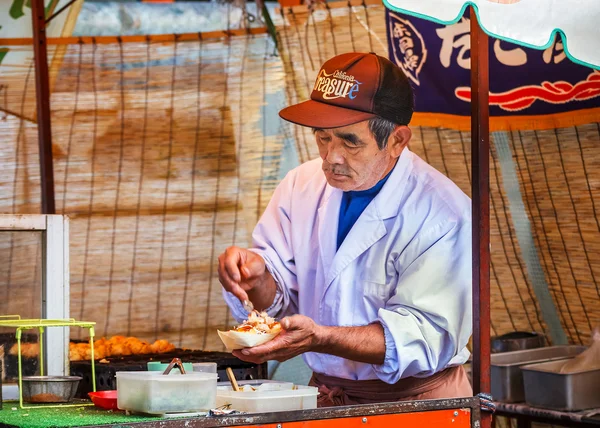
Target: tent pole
point(42, 95)
point(480, 150)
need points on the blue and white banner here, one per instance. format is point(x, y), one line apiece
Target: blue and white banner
point(523, 81)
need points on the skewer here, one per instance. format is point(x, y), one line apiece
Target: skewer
point(231, 377)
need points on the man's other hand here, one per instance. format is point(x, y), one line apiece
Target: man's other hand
point(240, 271)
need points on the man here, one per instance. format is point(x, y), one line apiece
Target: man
point(366, 252)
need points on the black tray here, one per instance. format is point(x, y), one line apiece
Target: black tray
point(106, 372)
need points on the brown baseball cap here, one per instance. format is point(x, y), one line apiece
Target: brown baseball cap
point(353, 87)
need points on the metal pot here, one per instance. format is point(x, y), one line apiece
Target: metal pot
point(517, 341)
point(49, 389)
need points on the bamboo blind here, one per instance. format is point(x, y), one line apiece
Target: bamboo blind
point(166, 152)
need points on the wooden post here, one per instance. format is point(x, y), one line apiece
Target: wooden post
point(480, 151)
point(42, 95)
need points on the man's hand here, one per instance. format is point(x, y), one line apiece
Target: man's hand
point(300, 334)
point(243, 274)
point(365, 344)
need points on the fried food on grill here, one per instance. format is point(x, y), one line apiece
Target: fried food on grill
point(117, 346)
point(28, 350)
point(161, 346)
point(80, 351)
point(259, 323)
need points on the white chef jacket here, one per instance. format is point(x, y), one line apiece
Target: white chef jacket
point(405, 263)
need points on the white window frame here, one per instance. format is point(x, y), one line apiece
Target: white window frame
point(55, 281)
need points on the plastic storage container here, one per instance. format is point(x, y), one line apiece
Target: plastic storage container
point(255, 383)
point(204, 367)
point(155, 393)
point(268, 397)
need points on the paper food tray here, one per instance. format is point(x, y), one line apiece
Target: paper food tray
point(237, 340)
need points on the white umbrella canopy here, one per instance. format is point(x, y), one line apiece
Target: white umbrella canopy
point(530, 23)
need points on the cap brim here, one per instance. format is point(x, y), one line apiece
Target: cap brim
point(315, 114)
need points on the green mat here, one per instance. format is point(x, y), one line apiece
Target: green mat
point(65, 417)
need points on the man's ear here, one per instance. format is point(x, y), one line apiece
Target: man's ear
point(398, 140)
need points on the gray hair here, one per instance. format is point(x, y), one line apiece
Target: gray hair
point(381, 129)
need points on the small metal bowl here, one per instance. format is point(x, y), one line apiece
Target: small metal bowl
point(517, 341)
point(50, 389)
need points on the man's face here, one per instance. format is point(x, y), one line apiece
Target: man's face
point(351, 158)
